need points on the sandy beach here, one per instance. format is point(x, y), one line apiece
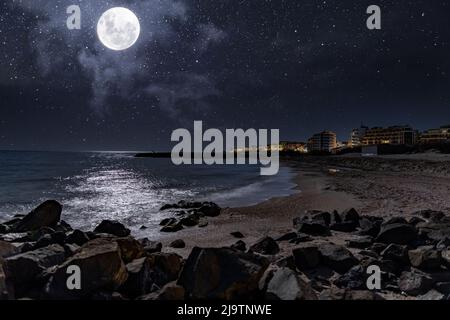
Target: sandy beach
point(386, 186)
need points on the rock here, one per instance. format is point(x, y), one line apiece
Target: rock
point(362, 295)
point(78, 237)
point(3, 229)
point(313, 228)
point(4, 294)
point(369, 227)
point(415, 282)
point(222, 273)
point(168, 221)
point(266, 246)
point(46, 214)
point(321, 217)
point(210, 209)
point(396, 253)
point(443, 287)
point(288, 285)
point(432, 295)
point(430, 215)
point(306, 257)
point(435, 231)
point(337, 257)
point(172, 227)
point(7, 249)
point(415, 221)
point(237, 235)
point(22, 270)
point(347, 226)
point(239, 245)
point(353, 279)
point(130, 248)
point(191, 220)
point(165, 267)
point(425, 258)
point(360, 242)
point(301, 237)
point(287, 236)
point(101, 265)
point(178, 244)
point(170, 291)
point(139, 279)
point(168, 206)
point(202, 223)
point(150, 246)
point(443, 244)
point(112, 227)
point(350, 215)
point(143, 227)
point(398, 233)
point(394, 220)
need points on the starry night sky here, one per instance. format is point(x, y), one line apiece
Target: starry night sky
point(299, 66)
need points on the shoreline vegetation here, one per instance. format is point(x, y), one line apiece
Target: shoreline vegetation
point(350, 213)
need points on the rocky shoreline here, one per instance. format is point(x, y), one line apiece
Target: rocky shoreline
point(413, 256)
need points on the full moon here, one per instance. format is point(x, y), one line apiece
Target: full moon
point(118, 28)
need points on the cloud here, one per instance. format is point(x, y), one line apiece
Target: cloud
point(183, 93)
point(112, 73)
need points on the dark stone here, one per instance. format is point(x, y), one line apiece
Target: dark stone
point(431, 214)
point(168, 221)
point(112, 227)
point(130, 248)
point(239, 245)
point(46, 214)
point(369, 227)
point(102, 267)
point(350, 215)
point(443, 287)
point(78, 237)
point(415, 283)
point(165, 267)
point(314, 229)
point(354, 279)
point(399, 233)
point(346, 226)
point(432, 295)
point(191, 220)
point(150, 246)
point(395, 220)
point(210, 209)
point(169, 292)
point(287, 236)
point(396, 253)
point(266, 246)
point(222, 273)
point(360, 242)
point(321, 217)
point(301, 237)
point(415, 220)
point(425, 258)
point(306, 257)
point(178, 244)
point(237, 235)
point(22, 270)
point(337, 257)
point(286, 284)
point(139, 280)
point(143, 227)
point(7, 249)
point(172, 227)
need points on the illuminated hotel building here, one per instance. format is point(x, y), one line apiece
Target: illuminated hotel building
point(436, 135)
point(392, 135)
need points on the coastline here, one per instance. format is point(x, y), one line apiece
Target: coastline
point(272, 217)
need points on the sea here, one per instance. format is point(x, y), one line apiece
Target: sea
point(93, 186)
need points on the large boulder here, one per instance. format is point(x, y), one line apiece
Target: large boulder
point(4, 292)
point(222, 273)
point(306, 257)
point(286, 284)
point(101, 267)
point(354, 279)
point(266, 245)
point(399, 233)
point(46, 214)
point(138, 281)
point(130, 248)
point(7, 249)
point(350, 215)
point(396, 253)
point(112, 227)
point(77, 237)
point(425, 258)
point(22, 270)
point(165, 267)
point(337, 257)
point(210, 209)
point(313, 228)
point(415, 282)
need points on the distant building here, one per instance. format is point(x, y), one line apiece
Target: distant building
point(322, 142)
point(293, 146)
point(435, 135)
point(357, 135)
point(404, 135)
